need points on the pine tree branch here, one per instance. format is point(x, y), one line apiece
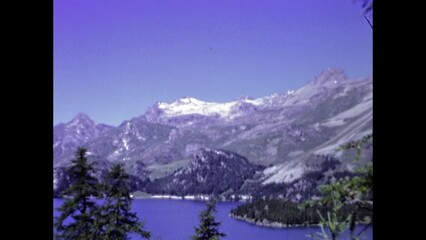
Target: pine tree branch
point(368, 22)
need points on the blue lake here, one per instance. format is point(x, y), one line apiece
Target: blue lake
point(176, 219)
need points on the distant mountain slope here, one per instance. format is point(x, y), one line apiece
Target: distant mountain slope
point(284, 132)
point(77, 132)
point(209, 172)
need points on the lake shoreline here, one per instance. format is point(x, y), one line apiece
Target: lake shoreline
point(266, 223)
point(203, 198)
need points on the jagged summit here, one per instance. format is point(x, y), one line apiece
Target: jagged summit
point(77, 132)
point(81, 118)
point(330, 75)
point(329, 78)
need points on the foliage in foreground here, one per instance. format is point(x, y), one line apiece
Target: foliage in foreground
point(287, 213)
point(89, 220)
point(356, 192)
point(209, 227)
point(344, 203)
point(80, 207)
point(117, 219)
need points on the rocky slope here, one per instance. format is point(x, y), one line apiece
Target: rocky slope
point(283, 132)
point(77, 132)
point(208, 172)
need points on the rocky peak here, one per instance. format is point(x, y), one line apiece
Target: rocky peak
point(77, 132)
point(330, 76)
point(81, 119)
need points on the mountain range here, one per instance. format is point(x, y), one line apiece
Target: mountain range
point(277, 139)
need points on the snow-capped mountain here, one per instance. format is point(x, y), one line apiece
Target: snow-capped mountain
point(284, 132)
point(185, 106)
point(228, 111)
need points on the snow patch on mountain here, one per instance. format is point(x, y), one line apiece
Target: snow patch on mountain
point(185, 106)
point(226, 110)
point(283, 173)
point(351, 132)
point(125, 144)
point(357, 110)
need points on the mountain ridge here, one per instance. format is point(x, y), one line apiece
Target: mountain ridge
point(282, 132)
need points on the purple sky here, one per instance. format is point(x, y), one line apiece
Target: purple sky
point(114, 59)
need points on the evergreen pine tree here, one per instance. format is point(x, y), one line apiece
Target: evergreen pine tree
point(117, 220)
point(209, 228)
point(79, 208)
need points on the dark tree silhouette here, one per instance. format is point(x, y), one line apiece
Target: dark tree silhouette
point(367, 8)
point(116, 220)
point(79, 208)
point(209, 227)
